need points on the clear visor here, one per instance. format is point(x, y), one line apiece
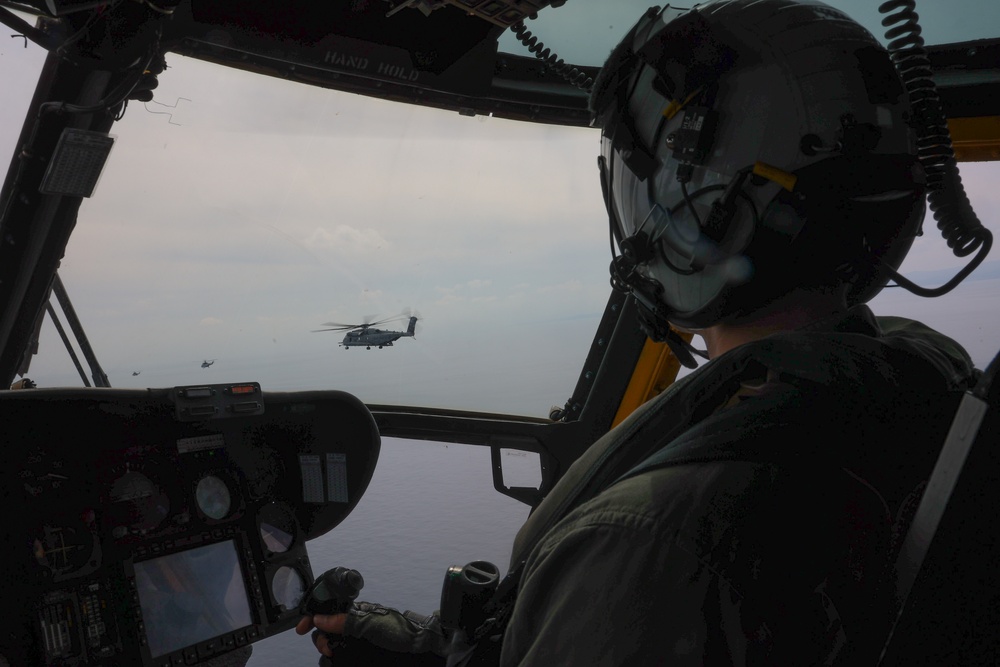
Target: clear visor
point(635, 209)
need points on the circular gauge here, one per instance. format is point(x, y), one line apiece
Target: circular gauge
point(277, 528)
point(213, 497)
point(287, 587)
point(65, 550)
point(137, 503)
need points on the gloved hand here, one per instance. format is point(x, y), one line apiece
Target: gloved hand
point(369, 631)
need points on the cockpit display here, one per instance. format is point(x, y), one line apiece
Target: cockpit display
point(192, 596)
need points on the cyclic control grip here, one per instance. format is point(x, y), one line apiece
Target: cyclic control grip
point(332, 592)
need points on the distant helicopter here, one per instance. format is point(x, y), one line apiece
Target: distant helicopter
point(366, 335)
point(134, 373)
point(207, 363)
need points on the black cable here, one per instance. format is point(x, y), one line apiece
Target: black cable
point(690, 203)
point(112, 99)
point(753, 209)
point(95, 15)
point(121, 112)
point(654, 323)
point(663, 253)
point(959, 225)
point(910, 286)
point(618, 283)
point(697, 193)
point(714, 188)
point(568, 72)
point(118, 95)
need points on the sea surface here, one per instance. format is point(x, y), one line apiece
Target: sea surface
point(429, 506)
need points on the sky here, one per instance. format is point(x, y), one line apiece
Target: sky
point(237, 214)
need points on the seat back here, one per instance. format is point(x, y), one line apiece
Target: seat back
point(947, 576)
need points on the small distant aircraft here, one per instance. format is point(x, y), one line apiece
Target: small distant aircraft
point(134, 373)
point(207, 363)
point(366, 335)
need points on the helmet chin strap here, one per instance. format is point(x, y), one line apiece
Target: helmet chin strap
point(683, 350)
point(651, 315)
point(653, 322)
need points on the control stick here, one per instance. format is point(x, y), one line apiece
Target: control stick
point(332, 592)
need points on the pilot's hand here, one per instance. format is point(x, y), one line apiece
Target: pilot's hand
point(328, 628)
point(370, 634)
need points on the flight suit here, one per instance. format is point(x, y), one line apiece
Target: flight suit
point(782, 477)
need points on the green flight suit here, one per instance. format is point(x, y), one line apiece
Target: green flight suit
point(763, 535)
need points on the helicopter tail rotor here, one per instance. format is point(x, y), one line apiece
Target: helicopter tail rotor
point(413, 317)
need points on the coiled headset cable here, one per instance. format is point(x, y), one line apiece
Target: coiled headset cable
point(946, 196)
point(568, 72)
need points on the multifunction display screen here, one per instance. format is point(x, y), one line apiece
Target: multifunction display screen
point(192, 596)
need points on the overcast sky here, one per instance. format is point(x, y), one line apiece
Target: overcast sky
point(238, 213)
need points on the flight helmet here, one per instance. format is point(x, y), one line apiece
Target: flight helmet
point(749, 148)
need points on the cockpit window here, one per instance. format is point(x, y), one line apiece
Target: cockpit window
point(583, 32)
point(240, 213)
point(20, 64)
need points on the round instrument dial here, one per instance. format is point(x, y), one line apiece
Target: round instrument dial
point(213, 497)
point(288, 587)
point(64, 550)
point(137, 503)
point(277, 528)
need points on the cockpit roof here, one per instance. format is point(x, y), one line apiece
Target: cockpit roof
point(468, 63)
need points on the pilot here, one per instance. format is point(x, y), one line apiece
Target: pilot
point(759, 170)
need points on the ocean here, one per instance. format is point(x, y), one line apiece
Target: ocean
point(429, 506)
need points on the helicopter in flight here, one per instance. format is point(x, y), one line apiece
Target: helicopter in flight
point(206, 363)
point(366, 335)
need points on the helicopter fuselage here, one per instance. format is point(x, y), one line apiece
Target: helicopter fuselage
point(367, 336)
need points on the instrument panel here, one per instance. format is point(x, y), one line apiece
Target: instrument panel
point(168, 526)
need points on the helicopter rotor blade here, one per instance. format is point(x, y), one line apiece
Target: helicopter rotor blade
point(378, 323)
point(338, 326)
point(344, 328)
point(367, 324)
